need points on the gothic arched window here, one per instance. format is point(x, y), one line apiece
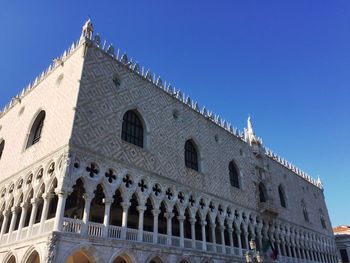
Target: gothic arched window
point(132, 130)
point(282, 196)
point(2, 146)
point(305, 212)
point(234, 175)
point(191, 155)
point(262, 193)
point(35, 131)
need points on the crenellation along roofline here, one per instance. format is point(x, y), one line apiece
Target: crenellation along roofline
point(87, 37)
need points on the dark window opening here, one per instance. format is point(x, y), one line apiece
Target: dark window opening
point(191, 156)
point(282, 196)
point(234, 176)
point(36, 130)
point(132, 130)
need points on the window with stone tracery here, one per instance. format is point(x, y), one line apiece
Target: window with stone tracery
point(234, 176)
point(282, 196)
point(36, 129)
point(132, 129)
point(191, 155)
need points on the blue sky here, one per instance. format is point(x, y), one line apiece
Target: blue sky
point(287, 63)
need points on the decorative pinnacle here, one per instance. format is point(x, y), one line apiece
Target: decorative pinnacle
point(88, 29)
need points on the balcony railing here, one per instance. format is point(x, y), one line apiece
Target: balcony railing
point(24, 234)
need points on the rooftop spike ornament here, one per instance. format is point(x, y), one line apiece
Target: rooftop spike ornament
point(88, 30)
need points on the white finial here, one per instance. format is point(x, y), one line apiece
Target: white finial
point(249, 124)
point(88, 30)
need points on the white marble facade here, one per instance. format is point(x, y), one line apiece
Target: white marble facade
point(81, 193)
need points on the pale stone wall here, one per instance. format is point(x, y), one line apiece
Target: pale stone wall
point(100, 109)
point(58, 100)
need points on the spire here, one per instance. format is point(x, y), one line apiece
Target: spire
point(250, 125)
point(88, 29)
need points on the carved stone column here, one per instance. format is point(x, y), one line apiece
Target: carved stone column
point(47, 199)
point(108, 202)
point(141, 209)
point(204, 239)
point(181, 219)
point(169, 216)
point(238, 233)
point(34, 202)
point(213, 235)
point(61, 204)
point(230, 233)
point(125, 206)
point(193, 232)
point(14, 211)
point(222, 232)
point(155, 213)
point(24, 207)
point(88, 199)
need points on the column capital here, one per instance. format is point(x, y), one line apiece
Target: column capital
point(141, 208)
point(238, 231)
point(203, 222)
point(61, 192)
point(34, 200)
point(192, 221)
point(108, 201)
point(181, 218)
point(222, 228)
point(24, 205)
point(14, 209)
point(48, 196)
point(125, 205)
point(169, 215)
point(88, 197)
point(155, 212)
point(6, 213)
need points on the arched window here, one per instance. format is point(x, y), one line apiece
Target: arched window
point(35, 131)
point(305, 212)
point(2, 146)
point(234, 176)
point(262, 193)
point(282, 196)
point(191, 156)
point(132, 130)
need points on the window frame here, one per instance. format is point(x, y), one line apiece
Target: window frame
point(36, 129)
point(234, 175)
point(191, 155)
point(133, 128)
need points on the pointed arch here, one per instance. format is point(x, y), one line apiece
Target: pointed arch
point(191, 155)
point(10, 258)
point(148, 216)
point(133, 128)
point(33, 257)
point(282, 196)
point(54, 199)
point(155, 259)
point(262, 193)
point(234, 174)
point(36, 129)
point(75, 202)
point(133, 214)
point(97, 207)
point(116, 212)
point(122, 257)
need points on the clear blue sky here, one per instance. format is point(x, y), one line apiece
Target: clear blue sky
point(287, 63)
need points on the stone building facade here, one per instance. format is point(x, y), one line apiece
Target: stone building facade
point(103, 162)
point(342, 239)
